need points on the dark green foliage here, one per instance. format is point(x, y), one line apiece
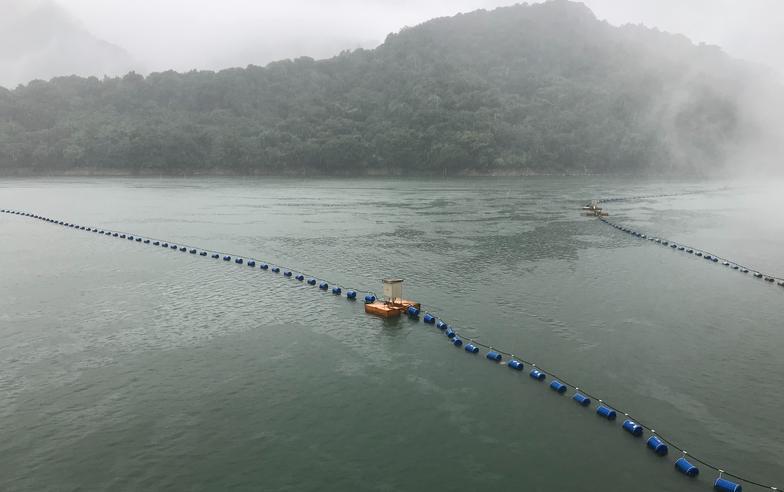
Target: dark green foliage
point(545, 88)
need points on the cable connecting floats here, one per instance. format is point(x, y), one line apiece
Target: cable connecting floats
point(252, 262)
point(734, 265)
point(656, 441)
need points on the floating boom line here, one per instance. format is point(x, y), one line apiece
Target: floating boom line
point(656, 441)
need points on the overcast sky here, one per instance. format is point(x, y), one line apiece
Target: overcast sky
point(185, 34)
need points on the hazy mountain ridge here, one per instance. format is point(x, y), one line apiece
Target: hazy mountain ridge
point(545, 88)
point(39, 40)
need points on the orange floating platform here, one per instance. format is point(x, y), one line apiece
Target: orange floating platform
point(389, 309)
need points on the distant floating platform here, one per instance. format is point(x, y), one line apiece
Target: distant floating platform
point(593, 209)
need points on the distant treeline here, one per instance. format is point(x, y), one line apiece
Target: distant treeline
point(545, 88)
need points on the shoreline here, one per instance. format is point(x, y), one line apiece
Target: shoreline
point(218, 173)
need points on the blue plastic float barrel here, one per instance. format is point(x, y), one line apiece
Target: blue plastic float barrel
point(138, 239)
point(146, 241)
point(441, 325)
point(193, 251)
point(471, 348)
point(558, 386)
point(429, 319)
point(351, 294)
point(130, 238)
point(515, 364)
point(323, 286)
point(369, 298)
point(300, 277)
point(226, 258)
point(457, 342)
point(606, 412)
point(726, 485)
point(683, 466)
point(275, 269)
point(312, 281)
point(238, 261)
point(156, 243)
point(581, 399)
point(203, 253)
point(449, 333)
point(263, 266)
point(632, 428)
point(216, 256)
point(336, 291)
point(251, 263)
point(412, 311)
point(173, 246)
point(657, 446)
point(287, 273)
point(537, 374)
point(493, 355)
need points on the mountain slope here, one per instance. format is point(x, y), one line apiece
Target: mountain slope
point(38, 40)
point(545, 88)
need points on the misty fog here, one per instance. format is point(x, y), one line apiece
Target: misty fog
point(97, 37)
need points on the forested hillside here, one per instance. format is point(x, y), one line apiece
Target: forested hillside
point(545, 88)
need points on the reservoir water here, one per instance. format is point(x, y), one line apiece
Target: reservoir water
point(130, 367)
